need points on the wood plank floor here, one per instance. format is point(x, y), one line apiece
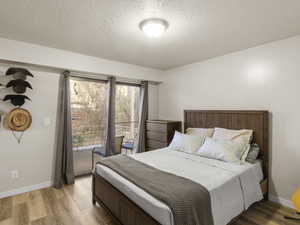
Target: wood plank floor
point(72, 205)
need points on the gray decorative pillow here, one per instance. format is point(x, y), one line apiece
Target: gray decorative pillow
point(253, 153)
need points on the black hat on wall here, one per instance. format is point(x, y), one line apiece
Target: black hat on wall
point(18, 73)
point(16, 100)
point(19, 85)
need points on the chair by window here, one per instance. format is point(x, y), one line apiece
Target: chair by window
point(128, 145)
point(101, 149)
point(118, 144)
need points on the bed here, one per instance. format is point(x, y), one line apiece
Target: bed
point(236, 188)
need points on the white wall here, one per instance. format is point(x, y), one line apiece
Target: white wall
point(153, 102)
point(261, 78)
point(18, 51)
point(33, 157)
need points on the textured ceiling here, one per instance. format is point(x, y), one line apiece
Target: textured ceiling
point(199, 29)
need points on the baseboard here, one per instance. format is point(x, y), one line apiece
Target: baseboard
point(25, 189)
point(281, 201)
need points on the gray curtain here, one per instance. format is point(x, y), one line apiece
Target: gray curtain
point(64, 169)
point(140, 144)
point(111, 108)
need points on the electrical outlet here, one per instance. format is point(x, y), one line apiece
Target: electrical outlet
point(14, 174)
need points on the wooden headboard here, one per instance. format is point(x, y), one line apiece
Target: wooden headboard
point(232, 119)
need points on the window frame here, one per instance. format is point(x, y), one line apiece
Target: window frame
point(129, 85)
point(88, 79)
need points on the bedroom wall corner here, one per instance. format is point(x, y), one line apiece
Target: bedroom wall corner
point(261, 78)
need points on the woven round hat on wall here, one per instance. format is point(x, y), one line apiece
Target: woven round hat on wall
point(18, 119)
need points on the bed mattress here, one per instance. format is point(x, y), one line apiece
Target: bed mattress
point(232, 187)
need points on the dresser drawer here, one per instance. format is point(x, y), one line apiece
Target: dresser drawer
point(151, 144)
point(159, 133)
point(160, 127)
point(157, 136)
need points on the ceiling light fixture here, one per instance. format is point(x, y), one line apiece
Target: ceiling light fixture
point(154, 27)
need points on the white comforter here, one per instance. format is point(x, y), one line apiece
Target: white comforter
point(233, 188)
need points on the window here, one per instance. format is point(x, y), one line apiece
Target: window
point(89, 111)
point(127, 111)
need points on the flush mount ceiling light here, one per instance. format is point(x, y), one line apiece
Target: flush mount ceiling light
point(153, 27)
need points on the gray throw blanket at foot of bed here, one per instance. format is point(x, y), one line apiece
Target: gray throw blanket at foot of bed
point(189, 201)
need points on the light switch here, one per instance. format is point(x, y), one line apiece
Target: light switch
point(47, 121)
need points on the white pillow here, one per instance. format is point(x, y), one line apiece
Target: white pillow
point(205, 132)
point(246, 152)
point(176, 143)
point(241, 136)
point(186, 143)
point(224, 150)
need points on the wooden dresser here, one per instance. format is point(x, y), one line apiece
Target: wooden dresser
point(159, 133)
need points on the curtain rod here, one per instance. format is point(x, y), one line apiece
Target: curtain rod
point(103, 79)
point(128, 84)
point(77, 77)
point(87, 75)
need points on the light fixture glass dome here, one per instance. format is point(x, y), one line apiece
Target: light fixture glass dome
point(154, 27)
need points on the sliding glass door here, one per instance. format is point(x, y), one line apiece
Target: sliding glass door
point(127, 113)
point(89, 113)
